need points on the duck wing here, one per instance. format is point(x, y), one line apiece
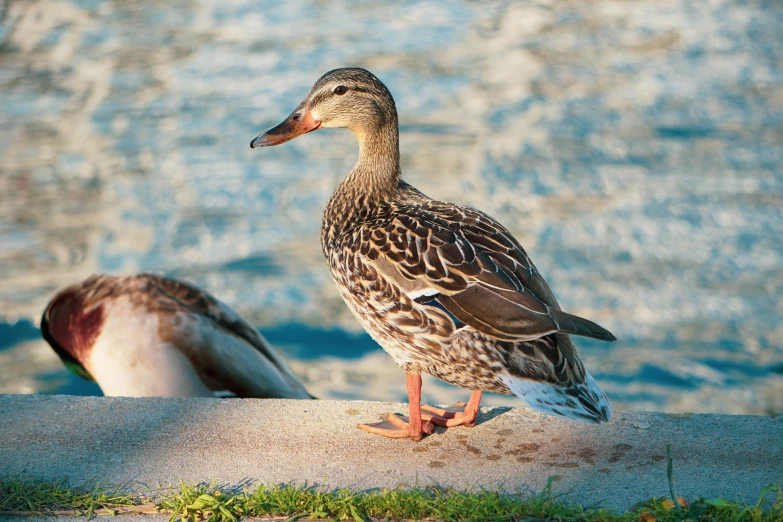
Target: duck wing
point(473, 267)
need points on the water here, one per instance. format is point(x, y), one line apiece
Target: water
point(633, 148)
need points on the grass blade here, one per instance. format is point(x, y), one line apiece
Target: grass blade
point(670, 476)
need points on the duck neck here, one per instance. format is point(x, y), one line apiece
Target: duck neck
point(372, 181)
point(377, 172)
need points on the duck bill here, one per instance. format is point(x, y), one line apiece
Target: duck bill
point(299, 122)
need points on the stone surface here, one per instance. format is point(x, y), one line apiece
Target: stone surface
point(157, 441)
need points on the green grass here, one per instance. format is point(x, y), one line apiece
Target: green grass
point(193, 502)
point(32, 496)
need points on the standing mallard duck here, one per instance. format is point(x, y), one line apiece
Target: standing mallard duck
point(444, 289)
point(147, 335)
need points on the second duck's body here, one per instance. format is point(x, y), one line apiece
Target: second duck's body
point(147, 335)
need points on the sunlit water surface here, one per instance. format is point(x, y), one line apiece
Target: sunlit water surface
point(634, 148)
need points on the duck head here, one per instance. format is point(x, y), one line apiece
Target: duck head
point(71, 328)
point(352, 98)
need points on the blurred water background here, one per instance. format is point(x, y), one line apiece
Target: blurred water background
point(634, 148)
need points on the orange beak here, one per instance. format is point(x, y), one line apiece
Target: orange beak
point(299, 122)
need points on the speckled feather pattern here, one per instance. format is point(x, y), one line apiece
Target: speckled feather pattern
point(376, 261)
point(379, 258)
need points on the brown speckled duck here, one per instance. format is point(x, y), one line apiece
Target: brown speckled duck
point(147, 335)
point(444, 289)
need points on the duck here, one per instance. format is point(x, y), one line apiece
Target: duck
point(445, 289)
point(148, 335)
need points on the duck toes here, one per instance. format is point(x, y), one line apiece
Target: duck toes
point(147, 335)
point(444, 289)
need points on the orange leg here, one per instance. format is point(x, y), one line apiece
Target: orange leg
point(397, 428)
point(449, 419)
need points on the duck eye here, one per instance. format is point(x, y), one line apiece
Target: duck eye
point(340, 90)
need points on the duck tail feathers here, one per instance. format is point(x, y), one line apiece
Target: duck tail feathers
point(584, 402)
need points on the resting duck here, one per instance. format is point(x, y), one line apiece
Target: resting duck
point(147, 335)
point(444, 289)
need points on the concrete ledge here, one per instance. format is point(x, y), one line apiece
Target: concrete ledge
point(154, 441)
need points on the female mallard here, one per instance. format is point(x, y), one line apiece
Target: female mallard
point(147, 335)
point(444, 289)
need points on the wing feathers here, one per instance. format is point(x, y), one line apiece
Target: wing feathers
point(480, 272)
point(494, 313)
